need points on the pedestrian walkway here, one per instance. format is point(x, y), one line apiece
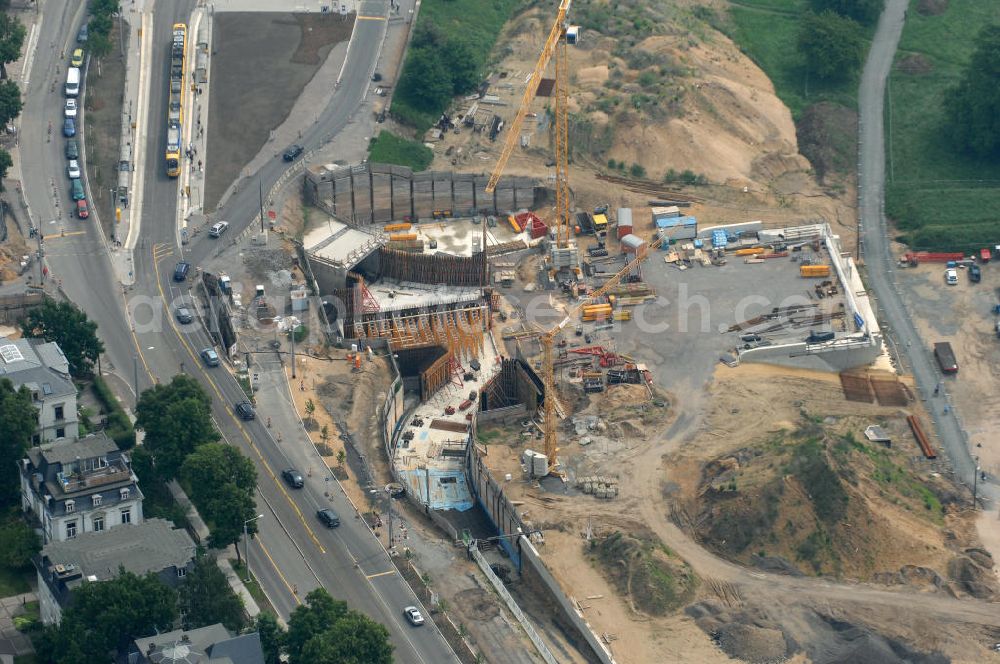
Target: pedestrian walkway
point(13, 642)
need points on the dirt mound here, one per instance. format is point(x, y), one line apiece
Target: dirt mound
point(757, 645)
point(915, 64)
point(932, 7)
point(972, 577)
point(645, 572)
point(813, 502)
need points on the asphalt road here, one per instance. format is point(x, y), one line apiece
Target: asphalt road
point(75, 250)
point(292, 553)
point(243, 206)
point(880, 266)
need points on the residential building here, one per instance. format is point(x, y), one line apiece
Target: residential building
point(213, 644)
point(153, 546)
point(44, 370)
point(79, 486)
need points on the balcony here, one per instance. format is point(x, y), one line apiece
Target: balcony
point(115, 471)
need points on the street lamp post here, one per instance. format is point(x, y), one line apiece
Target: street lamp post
point(975, 482)
point(246, 544)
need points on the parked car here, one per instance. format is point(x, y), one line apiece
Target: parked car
point(245, 410)
point(73, 169)
point(218, 229)
point(181, 270)
point(71, 108)
point(209, 357)
point(76, 190)
point(413, 614)
point(328, 517)
point(69, 127)
point(77, 59)
point(293, 478)
point(72, 149)
point(183, 315)
point(82, 209)
point(975, 274)
point(292, 153)
point(951, 276)
point(81, 35)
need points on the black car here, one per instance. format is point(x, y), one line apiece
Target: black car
point(328, 517)
point(183, 315)
point(181, 271)
point(975, 274)
point(72, 149)
point(293, 478)
point(292, 153)
point(245, 410)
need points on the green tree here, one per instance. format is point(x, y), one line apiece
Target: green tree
point(862, 11)
point(213, 465)
point(18, 415)
point(106, 615)
point(226, 515)
point(325, 631)
point(426, 82)
point(5, 163)
point(972, 108)
point(833, 46)
point(18, 543)
point(464, 71)
point(11, 40)
point(205, 598)
point(177, 418)
point(310, 409)
point(69, 327)
point(272, 637)
point(10, 101)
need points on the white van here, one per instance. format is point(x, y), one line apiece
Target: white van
point(951, 276)
point(73, 82)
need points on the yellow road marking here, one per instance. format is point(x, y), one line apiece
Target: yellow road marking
point(371, 18)
point(372, 576)
point(56, 236)
point(291, 590)
point(239, 425)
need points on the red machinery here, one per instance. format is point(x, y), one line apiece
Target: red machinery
point(916, 257)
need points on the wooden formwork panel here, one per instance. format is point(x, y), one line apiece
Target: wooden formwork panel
point(890, 392)
point(857, 387)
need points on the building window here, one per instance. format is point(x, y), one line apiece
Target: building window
point(70, 506)
point(60, 413)
point(98, 524)
point(70, 529)
point(97, 499)
point(182, 572)
point(127, 515)
point(124, 494)
point(61, 432)
point(100, 462)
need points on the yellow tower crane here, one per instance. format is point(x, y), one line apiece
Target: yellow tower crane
point(547, 340)
point(554, 44)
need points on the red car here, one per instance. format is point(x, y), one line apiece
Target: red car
point(82, 211)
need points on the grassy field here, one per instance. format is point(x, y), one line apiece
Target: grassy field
point(388, 148)
point(767, 31)
point(939, 199)
point(474, 22)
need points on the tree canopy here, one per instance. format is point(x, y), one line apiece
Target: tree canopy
point(833, 46)
point(437, 68)
point(272, 637)
point(972, 108)
point(18, 543)
point(69, 327)
point(12, 34)
point(177, 418)
point(205, 598)
point(106, 615)
point(10, 101)
point(222, 483)
point(325, 631)
point(862, 11)
point(18, 414)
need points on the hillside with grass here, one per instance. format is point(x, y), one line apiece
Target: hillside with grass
point(938, 197)
point(812, 501)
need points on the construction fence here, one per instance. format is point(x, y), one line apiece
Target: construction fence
point(379, 193)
